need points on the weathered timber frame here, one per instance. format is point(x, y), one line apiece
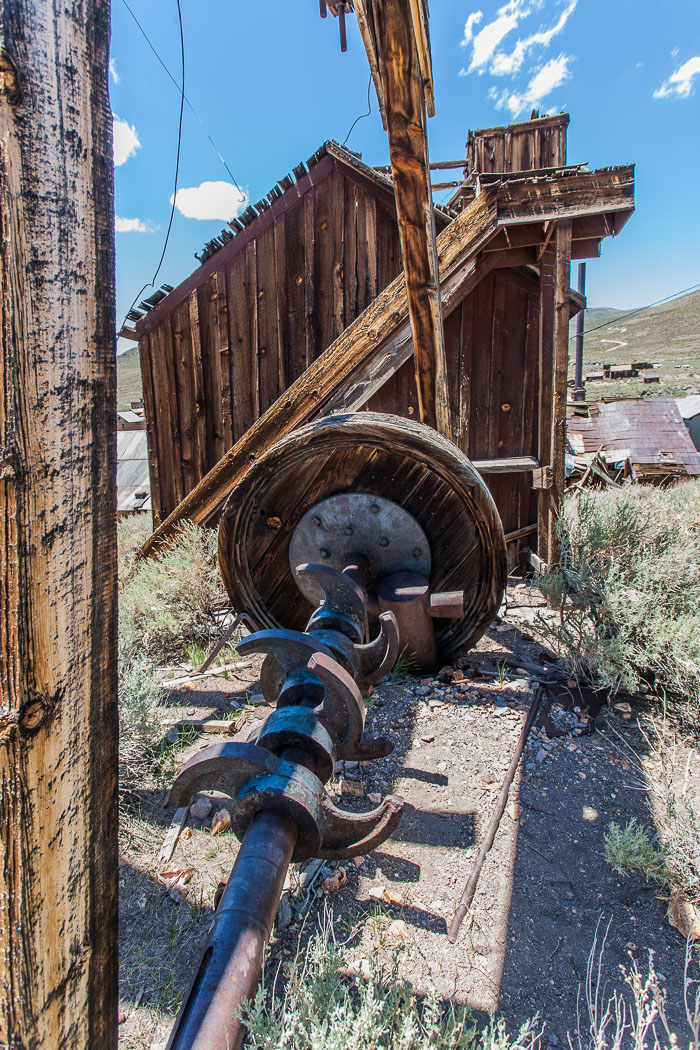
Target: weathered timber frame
point(506, 225)
point(396, 40)
point(58, 705)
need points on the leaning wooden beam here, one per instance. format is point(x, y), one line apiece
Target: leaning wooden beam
point(396, 36)
point(378, 342)
point(58, 694)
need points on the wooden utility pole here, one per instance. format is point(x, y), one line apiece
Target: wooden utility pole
point(395, 34)
point(58, 693)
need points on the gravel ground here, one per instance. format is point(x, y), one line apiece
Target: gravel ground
point(545, 888)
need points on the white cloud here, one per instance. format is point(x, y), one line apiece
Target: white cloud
point(474, 18)
point(551, 76)
point(126, 141)
point(211, 200)
point(680, 83)
point(508, 64)
point(487, 39)
point(114, 74)
point(132, 225)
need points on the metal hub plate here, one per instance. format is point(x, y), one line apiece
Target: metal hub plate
point(350, 523)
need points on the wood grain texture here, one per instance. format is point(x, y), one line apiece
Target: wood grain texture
point(562, 274)
point(364, 452)
point(58, 708)
point(398, 36)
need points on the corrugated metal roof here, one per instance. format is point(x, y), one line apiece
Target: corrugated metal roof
point(689, 407)
point(133, 479)
point(644, 430)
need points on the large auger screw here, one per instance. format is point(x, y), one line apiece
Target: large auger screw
point(281, 810)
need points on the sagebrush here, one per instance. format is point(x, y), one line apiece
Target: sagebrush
point(628, 590)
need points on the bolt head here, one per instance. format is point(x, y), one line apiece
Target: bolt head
point(384, 541)
point(375, 508)
point(324, 553)
point(316, 521)
point(349, 530)
point(417, 552)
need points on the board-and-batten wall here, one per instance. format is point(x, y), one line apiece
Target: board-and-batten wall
point(491, 344)
point(226, 352)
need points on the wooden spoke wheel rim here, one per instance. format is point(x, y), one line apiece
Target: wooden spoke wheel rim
point(364, 452)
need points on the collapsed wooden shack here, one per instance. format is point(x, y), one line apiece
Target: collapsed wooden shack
point(302, 265)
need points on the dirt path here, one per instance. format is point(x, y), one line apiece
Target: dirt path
point(545, 889)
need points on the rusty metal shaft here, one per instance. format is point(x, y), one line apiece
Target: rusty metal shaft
point(230, 966)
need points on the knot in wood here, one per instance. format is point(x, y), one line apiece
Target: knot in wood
point(9, 78)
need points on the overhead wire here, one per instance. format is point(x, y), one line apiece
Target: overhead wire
point(362, 115)
point(151, 283)
point(639, 310)
point(204, 127)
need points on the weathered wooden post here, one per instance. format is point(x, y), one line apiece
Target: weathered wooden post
point(58, 704)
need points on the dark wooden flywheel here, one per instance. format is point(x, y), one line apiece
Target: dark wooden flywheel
point(391, 457)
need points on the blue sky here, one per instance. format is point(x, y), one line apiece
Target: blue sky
point(271, 85)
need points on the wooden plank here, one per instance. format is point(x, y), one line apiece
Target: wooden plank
point(224, 344)
point(337, 277)
point(267, 330)
point(281, 301)
point(200, 398)
point(506, 465)
point(546, 389)
point(324, 249)
point(58, 625)
point(394, 43)
point(172, 485)
point(311, 327)
point(182, 359)
point(562, 276)
point(296, 280)
point(149, 411)
point(244, 378)
point(351, 276)
point(173, 833)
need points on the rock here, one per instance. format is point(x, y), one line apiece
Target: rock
point(284, 913)
point(358, 861)
point(338, 767)
point(376, 892)
point(336, 880)
point(352, 787)
point(541, 755)
point(200, 809)
point(423, 690)
point(684, 916)
point(221, 822)
point(255, 699)
point(173, 735)
point(514, 810)
point(553, 1040)
point(352, 766)
point(392, 896)
point(457, 675)
point(624, 708)
point(589, 813)
point(374, 797)
point(398, 930)
point(121, 1017)
point(187, 833)
point(442, 766)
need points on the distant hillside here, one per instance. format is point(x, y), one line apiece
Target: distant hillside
point(668, 335)
point(128, 378)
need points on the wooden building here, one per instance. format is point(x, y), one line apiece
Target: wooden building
point(218, 350)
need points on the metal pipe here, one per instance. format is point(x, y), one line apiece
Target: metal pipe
point(229, 969)
point(470, 888)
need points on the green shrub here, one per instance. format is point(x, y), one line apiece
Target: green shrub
point(631, 849)
point(321, 1008)
point(169, 603)
point(628, 589)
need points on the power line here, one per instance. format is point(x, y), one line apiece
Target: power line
point(641, 309)
point(151, 284)
point(204, 127)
